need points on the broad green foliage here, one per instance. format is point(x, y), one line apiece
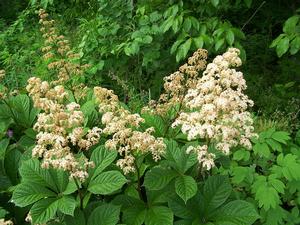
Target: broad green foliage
point(290, 39)
point(270, 174)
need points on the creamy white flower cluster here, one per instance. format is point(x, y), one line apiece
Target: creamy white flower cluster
point(216, 109)
point(122, 126)
point(176, 84)
point(58, 51)
point(6, 222)
point(61, 130)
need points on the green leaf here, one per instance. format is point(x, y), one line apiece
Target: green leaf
point(195, 23)
point(216, 191)
point(290, 25)
point(102, 159)
point(66, 205)
point(281, 136)
point(88, 108)
point(27, 193)
point(43, 210)
point(265, 193)
point(277, 184)
point(23, 112)
point(107, 183)
point(276, 41)
point(60, 178)
point(248, 3)
point(158, 177)
point(30, 171)
point(11, 164)
point(187, 24)
point(215, 3)
point(230, 37)
point(157, 122)
point(71, 188)
point(158, 215)
point(289, 165)
point(185, 187)
point(262, 149)
point(241, 154)
point(106, 214)
point(3, 146)
point(241, 174)
point(183, 50)
point(275, 216)
point(132, 48)
point(175, 45)
point(275, 146)
point(167, 24)
point(78, 219)
point(147, 39)
point(198, 41)
point(282, 46)
point(236, 213)
point(179, 208)
point(219, 43)
point(295, 45)
point(135, 215)
point(178, 158)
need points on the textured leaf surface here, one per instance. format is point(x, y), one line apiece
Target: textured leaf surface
point(102, 159)
point(106, 214)
point(107, 183)
point(185, 187)
point(43, 210)
point(216, 191)
point(236, 213)
point(158, 177)
point(27, 193)
point(158, 215)
point(67, 205)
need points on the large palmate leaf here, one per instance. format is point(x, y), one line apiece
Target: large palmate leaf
point(27, 193)
point(32, 172)
point(46, 209)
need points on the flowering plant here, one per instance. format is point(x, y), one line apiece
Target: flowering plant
point(86, 158)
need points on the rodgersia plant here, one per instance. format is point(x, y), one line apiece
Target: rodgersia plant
point(122, 125)
point(61, 123)
point(216, 109)
point(94, 159)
